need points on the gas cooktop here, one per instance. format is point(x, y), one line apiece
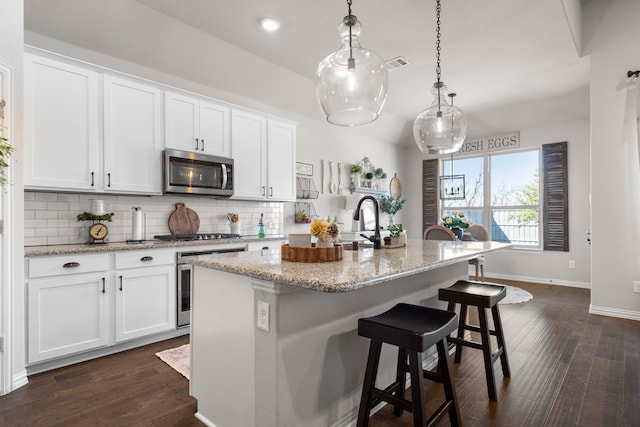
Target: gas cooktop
point(199, 236)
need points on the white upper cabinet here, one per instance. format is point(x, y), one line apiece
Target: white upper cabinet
point(264, 153)
point(281, 160)
point(197, 125)
point(61, 147)
point(249, 136)
point(76, 139)
point(132, 137)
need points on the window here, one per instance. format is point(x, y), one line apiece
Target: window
point(502, 193)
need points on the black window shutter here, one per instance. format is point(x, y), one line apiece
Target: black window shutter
point(555, 211)
point(429, 193)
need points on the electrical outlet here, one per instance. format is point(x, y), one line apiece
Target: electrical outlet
point(636, 286)
point(572, 264)
point(263, 316)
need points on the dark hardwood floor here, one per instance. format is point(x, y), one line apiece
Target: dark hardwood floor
point(569, 368)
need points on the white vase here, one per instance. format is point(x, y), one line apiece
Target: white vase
point(324, 243)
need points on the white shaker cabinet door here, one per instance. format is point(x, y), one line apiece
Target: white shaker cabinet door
point(181, 122)
point(67, 314)
point(61, 147)
point(196, 125)
point(145, 301)
point(132, 137)
point(214, 127)
point(249, 139)
point(281, 161)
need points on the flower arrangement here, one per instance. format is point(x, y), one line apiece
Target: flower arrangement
point(5, 154)
point(456, 219)
point(325, 229)
point(391, 206)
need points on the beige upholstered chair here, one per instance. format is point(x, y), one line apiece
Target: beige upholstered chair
point(438, 232)
point(480, 233)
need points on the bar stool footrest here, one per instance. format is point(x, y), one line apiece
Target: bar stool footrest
point(466, 343)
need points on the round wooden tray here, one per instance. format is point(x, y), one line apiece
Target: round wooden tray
point(311, 254)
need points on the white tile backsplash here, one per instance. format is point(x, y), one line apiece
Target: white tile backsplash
point(51, 218)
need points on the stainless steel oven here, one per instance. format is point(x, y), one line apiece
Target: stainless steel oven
point(185, 279)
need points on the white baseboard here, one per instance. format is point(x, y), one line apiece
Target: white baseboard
point(544, 280)
point(20, 379)
point(614, 312)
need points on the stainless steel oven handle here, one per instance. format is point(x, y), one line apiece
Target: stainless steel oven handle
point(224, 175)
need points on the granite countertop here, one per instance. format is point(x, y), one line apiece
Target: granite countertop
point(357, 269)
point(82, 248)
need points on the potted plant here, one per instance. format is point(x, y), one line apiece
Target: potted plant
point(5, 153)
point(356, 172)
point(456, 222)
point(390, 206)
point(394, 234)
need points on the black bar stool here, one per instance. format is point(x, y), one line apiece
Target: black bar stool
point(413, 329)
point(483, 296)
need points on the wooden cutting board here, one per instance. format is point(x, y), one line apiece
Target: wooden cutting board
point(183, 220)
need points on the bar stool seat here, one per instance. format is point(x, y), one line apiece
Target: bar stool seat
point(413, 329)
point(482, 296)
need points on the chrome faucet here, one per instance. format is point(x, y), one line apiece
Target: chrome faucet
point(356, 217)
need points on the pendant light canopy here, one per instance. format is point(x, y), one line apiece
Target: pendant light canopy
point(441, 128)
point(351, 83)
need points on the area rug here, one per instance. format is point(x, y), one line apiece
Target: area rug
point(515, 295)
point(178, 358)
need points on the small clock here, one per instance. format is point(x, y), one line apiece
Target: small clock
point(98, 232)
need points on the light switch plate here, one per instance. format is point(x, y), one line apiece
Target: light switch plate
point(636, 286)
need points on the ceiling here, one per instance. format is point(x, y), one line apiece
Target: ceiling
point(494, 52)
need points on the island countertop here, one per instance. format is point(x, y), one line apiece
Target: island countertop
point(358, 268)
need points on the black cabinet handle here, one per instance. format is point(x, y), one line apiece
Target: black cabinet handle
point(109, 179)
point(263, 188)
point(103, 289)
point(71, 265)
point(202, 149)
point(146, 258)
point(120, 282)
point(197, 143)
point(270, 191)
point(92, 180)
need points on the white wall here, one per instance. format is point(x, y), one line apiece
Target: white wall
point(539, 122)
point(613, 43)
point(12, 358)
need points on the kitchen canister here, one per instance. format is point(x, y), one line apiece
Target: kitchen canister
point(97, 206)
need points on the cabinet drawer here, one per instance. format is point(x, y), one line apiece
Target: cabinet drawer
point(67, 264)
point(144, 258)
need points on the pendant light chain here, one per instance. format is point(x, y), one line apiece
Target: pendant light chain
point(351, 65)
point(438, 70)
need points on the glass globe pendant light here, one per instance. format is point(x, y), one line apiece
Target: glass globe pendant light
point(441, 128)
point(351, 83)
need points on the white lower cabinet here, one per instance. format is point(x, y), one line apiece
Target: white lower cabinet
point(77, 303)
point(145, 301)
point(66, 315)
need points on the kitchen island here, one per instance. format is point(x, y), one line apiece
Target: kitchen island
point(275, 343)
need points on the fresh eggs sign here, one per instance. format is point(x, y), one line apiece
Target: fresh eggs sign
point(507, 141)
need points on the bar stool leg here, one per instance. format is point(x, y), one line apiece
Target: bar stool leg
point(417, 392)
point(497, 324)
point(401, 376)
point(462, 323)
point(444, 369)
point(369, 382)
point(486, 353)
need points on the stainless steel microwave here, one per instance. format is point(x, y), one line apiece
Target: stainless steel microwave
point(198, 174)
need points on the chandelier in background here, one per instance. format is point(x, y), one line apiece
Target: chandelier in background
point(351, 83)
point(441, 128)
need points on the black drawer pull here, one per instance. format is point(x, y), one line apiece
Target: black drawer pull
point(71, 265)
point(104, 291)
point(120, 282)
point(146, 258)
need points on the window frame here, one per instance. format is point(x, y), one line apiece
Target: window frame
point(488, 208)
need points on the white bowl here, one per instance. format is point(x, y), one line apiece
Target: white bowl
point(300, 240)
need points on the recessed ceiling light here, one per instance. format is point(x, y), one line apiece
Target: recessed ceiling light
point(269, 24)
